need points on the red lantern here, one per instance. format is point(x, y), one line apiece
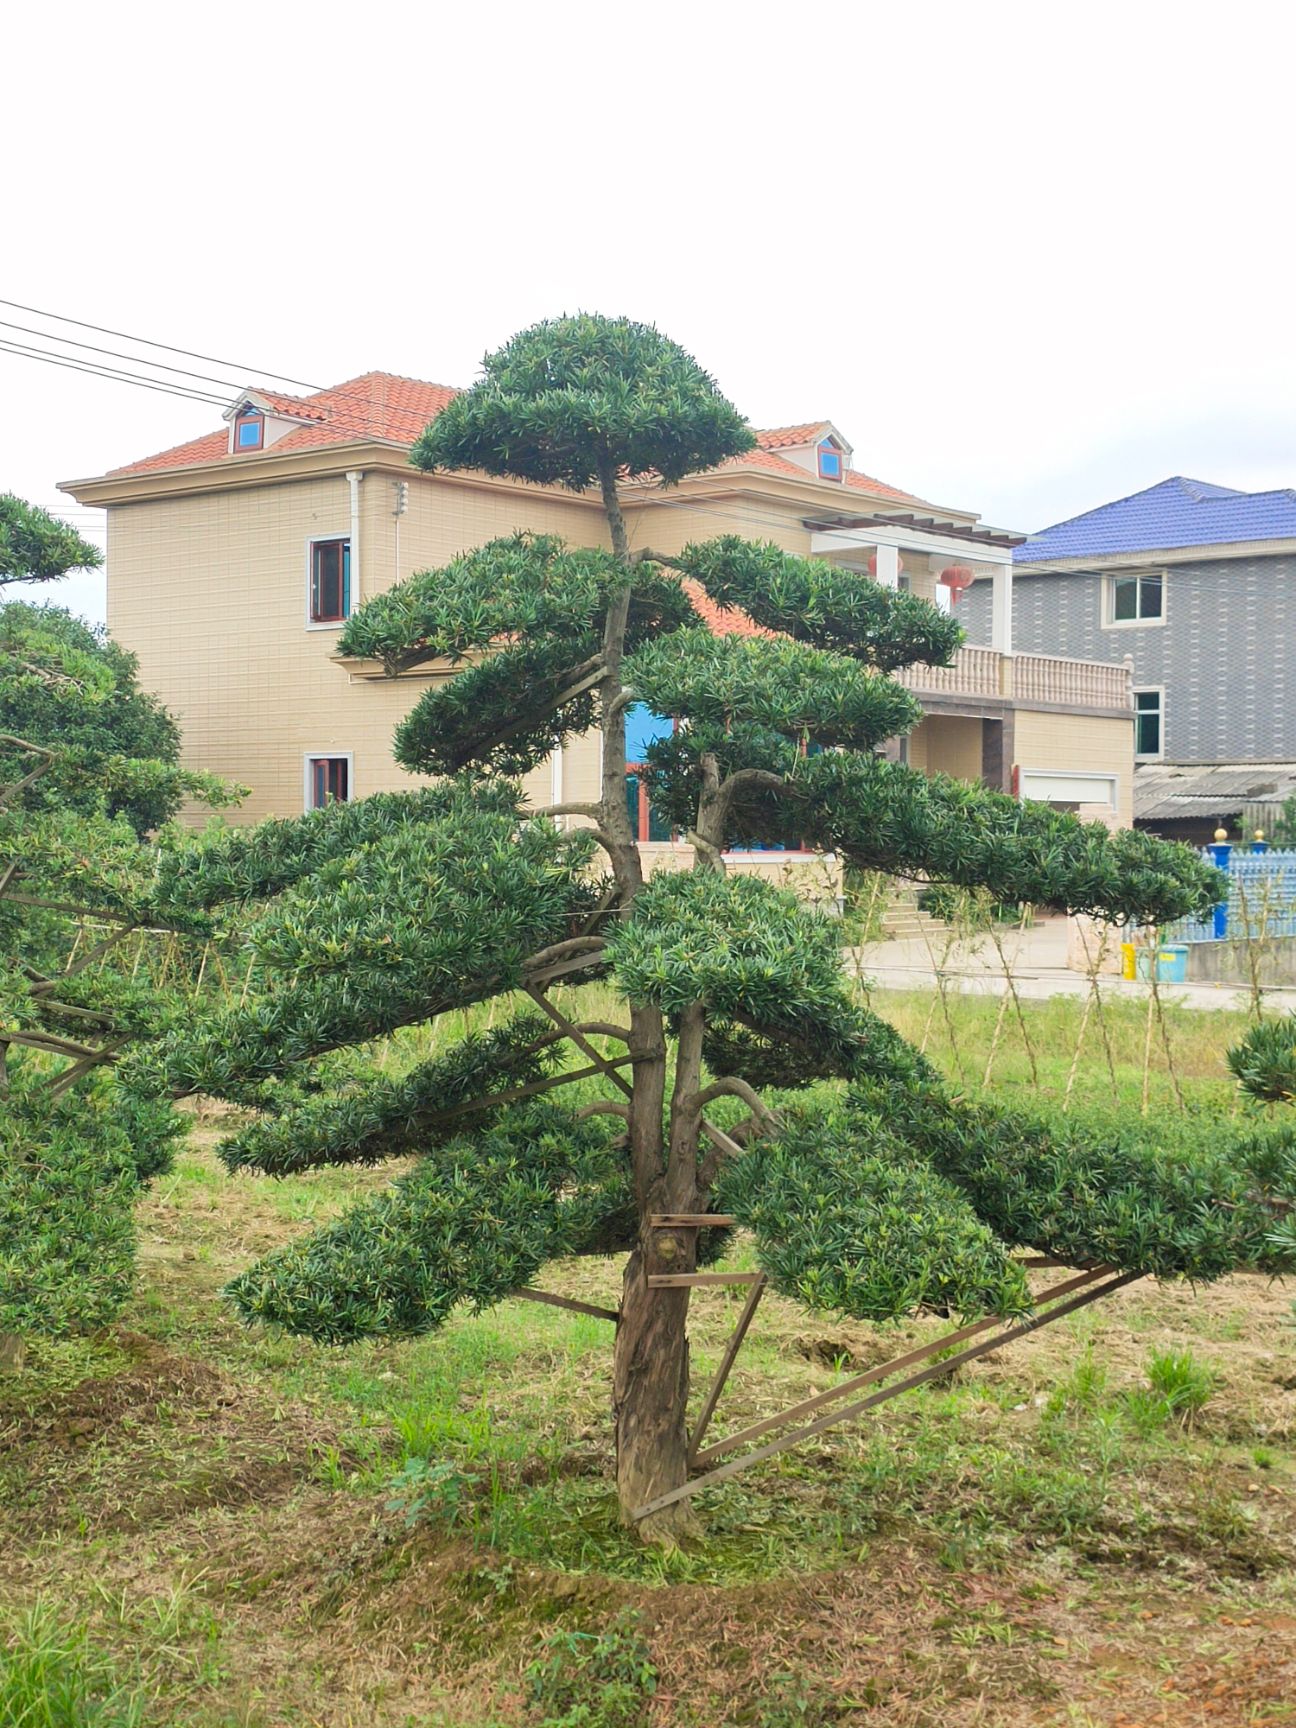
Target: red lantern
point(955, 577)
point(873, 565)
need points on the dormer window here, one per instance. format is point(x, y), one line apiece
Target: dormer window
point(831, 465)
point(249, 430)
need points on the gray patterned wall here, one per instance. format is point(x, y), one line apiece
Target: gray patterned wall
point(1223, 653)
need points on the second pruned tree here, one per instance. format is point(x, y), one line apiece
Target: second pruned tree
point(878, 1196)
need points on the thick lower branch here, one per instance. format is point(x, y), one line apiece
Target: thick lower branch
point(732, 1087)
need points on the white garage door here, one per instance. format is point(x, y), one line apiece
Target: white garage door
point(1052, 787)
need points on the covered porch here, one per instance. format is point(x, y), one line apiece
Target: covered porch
point(988, 716)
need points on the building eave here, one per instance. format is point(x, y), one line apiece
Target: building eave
point(233, 473)
point(1157, 557)
point(802, 496)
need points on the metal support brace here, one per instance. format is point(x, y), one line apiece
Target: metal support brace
point(1089, 1285)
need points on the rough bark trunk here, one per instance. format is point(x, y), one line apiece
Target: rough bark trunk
point(651, 1360)
point(650, 1386)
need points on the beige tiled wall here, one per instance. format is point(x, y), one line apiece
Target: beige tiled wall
point(210, 592)
point(1086, 743)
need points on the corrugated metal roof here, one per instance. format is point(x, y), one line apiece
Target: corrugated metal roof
point(1166, 792)
point(1178, 512)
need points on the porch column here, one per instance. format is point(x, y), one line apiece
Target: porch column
point(1001, 609)
point(888, 566)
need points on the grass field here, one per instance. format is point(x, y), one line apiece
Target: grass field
point(206, 1525)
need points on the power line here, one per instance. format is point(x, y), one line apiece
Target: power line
point(116, 354)
point(23, 352)
point(28, 351)
point(167, 347)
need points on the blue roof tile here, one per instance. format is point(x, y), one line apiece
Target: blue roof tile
point(1178, 512)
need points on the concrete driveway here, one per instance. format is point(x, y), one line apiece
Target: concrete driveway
point(1037, 958)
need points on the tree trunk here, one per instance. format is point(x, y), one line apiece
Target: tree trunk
point(650, 1379)
point(650, 1386)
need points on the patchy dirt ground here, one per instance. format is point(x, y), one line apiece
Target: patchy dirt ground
point(1027, 1545)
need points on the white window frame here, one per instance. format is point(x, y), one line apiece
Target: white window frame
point(1157, 690)
point(312, 542)
point(326, 754)
point(1111, 621)
point(1113, 780)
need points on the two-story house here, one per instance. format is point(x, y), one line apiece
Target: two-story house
point(1195, 586)
point(234, 559)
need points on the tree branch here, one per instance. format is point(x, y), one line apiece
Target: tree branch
point(9, 793)
point(559, 951)
point(593, 810)
point(732, 1087)
point(604, 1107)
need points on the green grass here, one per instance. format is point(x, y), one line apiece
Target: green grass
point(53, 1676)
point(960, 1034)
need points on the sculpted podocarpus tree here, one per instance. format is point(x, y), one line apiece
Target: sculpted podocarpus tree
point(87, 765)
point(386, 912)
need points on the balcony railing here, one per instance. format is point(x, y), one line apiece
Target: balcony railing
point(975, 672)
point(1025, 678)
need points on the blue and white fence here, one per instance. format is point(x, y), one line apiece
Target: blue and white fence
point(1261, 902)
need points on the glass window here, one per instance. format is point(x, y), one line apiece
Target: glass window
point(249, 431)
point(328, 780)
point(643, 728)
point(1137, 599)
point(1147, 722)
point(330, 589)
point(645, 821)
point(830, 460)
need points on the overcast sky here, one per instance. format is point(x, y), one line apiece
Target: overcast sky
point(1028, 257)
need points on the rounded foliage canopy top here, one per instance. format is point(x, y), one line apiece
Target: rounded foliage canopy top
point(576, 398)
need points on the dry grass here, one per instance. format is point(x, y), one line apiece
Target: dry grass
point(1022, 1545)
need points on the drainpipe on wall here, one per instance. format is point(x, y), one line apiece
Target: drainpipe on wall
point(354, 477)
point(556, 781)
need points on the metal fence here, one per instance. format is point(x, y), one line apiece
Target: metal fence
point(1261, 902)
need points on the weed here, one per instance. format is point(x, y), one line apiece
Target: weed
point(426, 1493)
point(1179, 1387)
point(798, 1701)
point(593, 1679)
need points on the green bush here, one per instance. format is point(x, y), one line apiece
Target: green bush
point(71, 1171)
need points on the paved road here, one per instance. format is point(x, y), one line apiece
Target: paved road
point(1038, 961)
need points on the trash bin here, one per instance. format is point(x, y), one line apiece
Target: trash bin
point(1170, 960)
point(1127, 960)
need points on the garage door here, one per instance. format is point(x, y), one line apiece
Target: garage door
point(1051, 787)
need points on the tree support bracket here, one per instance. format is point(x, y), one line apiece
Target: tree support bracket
point(1063, 1299)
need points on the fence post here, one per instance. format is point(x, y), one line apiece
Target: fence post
point(1259, 844)
point(1221, 852)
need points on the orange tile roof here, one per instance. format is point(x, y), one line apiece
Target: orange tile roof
point(374, 405)
point(722, 620)
point(395, 409)
point(866, 483)
point(789, 437)
point(768, 460)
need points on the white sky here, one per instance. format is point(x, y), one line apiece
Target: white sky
point(1028, 257)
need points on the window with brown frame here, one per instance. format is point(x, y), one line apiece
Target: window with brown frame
point(830, 459)
point(330, 581)
point(328, 780)
point(249, 431)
